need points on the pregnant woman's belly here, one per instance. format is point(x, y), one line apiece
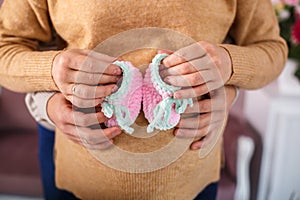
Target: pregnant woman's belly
point(139, 166)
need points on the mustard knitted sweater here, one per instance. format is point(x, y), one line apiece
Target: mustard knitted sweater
point(258, 56)
point(257, 60)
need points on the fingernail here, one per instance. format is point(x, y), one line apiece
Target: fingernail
point(196, 146)
point(118, 78)
point(179, 134)
point(164, 62)
point(117, 71)
point(177, 95)
point(117, 132)
point(162, 67)
point(114, 89)
point(100, 101)
point(167, 80)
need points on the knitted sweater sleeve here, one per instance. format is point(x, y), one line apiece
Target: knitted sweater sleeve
point(23, 24)
point(260, 53)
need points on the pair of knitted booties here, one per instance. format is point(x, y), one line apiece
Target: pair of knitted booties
point(160, 108)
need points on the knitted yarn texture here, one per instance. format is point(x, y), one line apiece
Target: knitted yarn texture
point(123, 106)
point(160, 108)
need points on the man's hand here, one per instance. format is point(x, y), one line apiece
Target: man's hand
point(206, 118)
point(77, 125)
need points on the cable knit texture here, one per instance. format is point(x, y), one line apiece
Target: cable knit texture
point(256, 61)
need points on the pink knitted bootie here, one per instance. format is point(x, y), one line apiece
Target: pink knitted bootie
point(160, 108)
point(123, 106)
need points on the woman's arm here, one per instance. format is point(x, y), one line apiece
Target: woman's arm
point(260, 53)
point(255, 59)
point(24, 68)
point(23, 24)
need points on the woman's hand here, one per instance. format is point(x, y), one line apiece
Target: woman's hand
point(198, 69)
point(206, 118)
point(77, 125)
point(85, 77)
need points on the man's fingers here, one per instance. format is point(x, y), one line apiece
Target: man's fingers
point(103, 145)
point(191, 92)
point(71, 132)
point(209, 140)
point(201, 106)
point(205, 106)
point(190, 133)
point(84, 103)
point(198, 144)
point(205, 136)
point(86, 120)
point(97, 136)
point(200, 121)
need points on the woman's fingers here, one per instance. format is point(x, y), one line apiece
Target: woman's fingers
point(191, 92)
point(91, 65)
point(188, 80)
point(197, 91)
point(87, 61)
point(86, 69)
point(188, 67)
point(84, 96)
point(188, 53)
point(163, 51)
point(80, 77)
point(206, 61)
point(91, 92)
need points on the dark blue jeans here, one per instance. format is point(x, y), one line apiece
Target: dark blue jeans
point(46, 144)
point(209, 192)
point(51, 192)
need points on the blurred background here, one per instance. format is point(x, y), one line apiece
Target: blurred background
point(261, 140)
